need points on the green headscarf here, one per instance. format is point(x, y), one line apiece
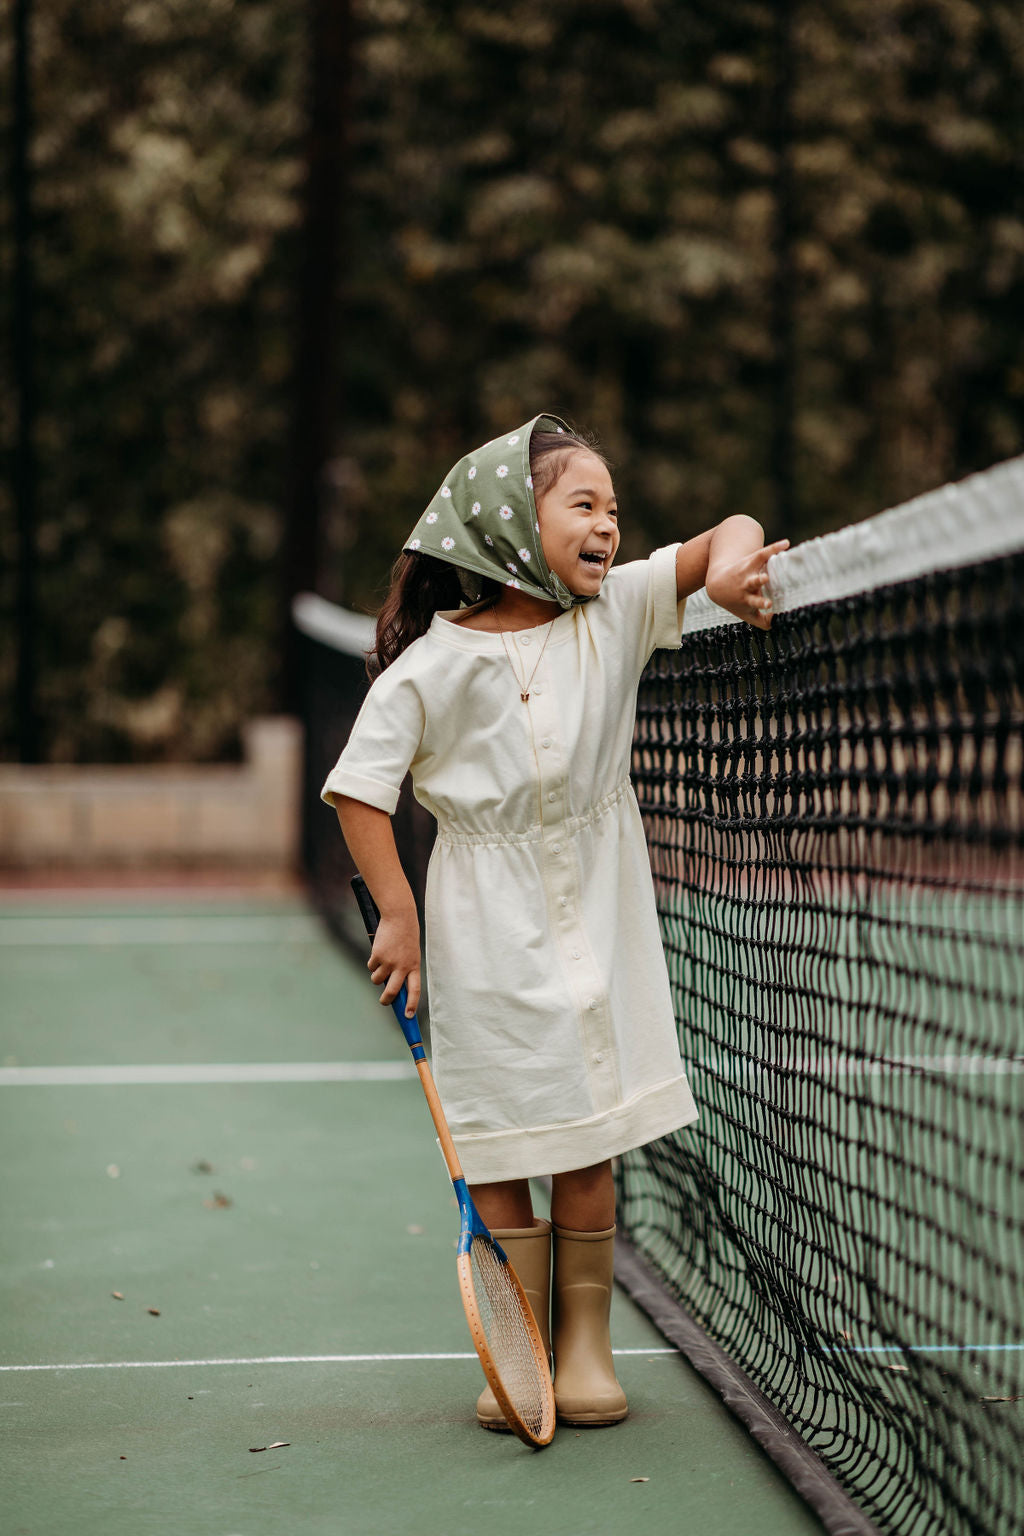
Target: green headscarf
point(484, 518)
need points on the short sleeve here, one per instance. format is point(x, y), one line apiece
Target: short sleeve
point(665, 609)
point(638, 612)
point(381, 746)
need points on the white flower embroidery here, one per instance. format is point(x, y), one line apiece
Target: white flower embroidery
point(445, 492)
point(475, 509)
point(529, 481)
point(510, 565)
point(505, 512)
point(501, 471)
point(431, 517)
point(559, 429)
point(524, 554)
point(414, 544)
point(448, 543)
point(488, 540)
point(513, 440)
point(472, 472)
point(513, 583)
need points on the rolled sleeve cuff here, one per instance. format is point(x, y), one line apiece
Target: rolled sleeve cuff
point(340, 781)
point(668, 608)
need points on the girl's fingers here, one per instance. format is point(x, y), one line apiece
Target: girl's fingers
point(394, 986)
point(413, 984)
point(393, 978)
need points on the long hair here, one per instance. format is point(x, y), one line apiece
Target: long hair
point(422, 585)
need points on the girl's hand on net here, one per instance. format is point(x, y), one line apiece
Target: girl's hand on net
point(742, 588)
point(395, 959)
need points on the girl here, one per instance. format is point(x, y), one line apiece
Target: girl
point(511, 652)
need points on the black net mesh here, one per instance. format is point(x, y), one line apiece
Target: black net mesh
point(835, 813)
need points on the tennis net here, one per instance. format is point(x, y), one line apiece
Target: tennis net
point(835, 813)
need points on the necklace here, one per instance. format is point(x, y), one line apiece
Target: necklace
point(524, 687)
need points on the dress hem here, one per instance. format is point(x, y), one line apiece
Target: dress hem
point(527, 1154)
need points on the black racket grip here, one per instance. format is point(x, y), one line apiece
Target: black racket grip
point(367, 906)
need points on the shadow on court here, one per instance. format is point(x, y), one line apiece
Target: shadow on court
point(229, 1301)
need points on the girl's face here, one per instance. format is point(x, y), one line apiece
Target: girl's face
point(579, 531)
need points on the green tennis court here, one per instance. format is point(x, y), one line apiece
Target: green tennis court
point(226, 1226)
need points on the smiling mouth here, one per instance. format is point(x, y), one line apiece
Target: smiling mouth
point(595, 558)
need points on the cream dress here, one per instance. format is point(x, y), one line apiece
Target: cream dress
point(553, 1039)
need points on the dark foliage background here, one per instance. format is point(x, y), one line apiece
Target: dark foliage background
point(772, 253)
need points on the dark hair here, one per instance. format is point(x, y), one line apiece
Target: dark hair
point(422, 585)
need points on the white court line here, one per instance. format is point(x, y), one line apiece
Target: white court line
point(147, 928)
point(189, 1073)
point(162, 1365)
point(169, 1074)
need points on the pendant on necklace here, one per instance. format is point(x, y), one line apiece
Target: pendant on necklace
point(525, 697)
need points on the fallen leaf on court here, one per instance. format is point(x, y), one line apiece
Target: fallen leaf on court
point(219, 1202)
point(414, 1231)
point(847, 1336)
point(639, 1479)
point(117, 1295)
point(202, 1166)
point(887, 1367)
point(113, 1171)
point(1016, 1399)
point(277, 1446)
point(153, 1311)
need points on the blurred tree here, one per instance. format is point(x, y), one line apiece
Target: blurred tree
point(772, 253)
point(165, 159)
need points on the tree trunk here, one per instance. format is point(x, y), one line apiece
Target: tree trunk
point(24, 468)
point(783, 306)
point(316, 401)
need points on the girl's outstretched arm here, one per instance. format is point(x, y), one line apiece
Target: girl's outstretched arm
point(395, 957)
point(730, 560)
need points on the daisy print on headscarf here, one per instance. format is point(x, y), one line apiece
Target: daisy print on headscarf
point(484, 517)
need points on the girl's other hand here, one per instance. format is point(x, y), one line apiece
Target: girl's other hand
point(742, 587)
point(395, 959)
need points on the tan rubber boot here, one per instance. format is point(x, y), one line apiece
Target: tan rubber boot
point(529, 1252)
point(586, 1391)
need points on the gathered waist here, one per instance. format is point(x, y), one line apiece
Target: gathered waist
point(452, 833)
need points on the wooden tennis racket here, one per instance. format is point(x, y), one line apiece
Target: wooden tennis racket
point(501, 1322)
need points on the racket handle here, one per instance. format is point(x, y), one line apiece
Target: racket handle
point(411, 1031)
point(368, 910)
point(371, 920)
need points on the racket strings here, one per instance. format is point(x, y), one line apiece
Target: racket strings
point(510, 1338)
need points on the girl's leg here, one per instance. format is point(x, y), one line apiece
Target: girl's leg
point(583, 1212)
point(504, 1205)
point(584, 1199)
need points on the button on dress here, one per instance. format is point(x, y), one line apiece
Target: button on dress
point(553, 1039)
